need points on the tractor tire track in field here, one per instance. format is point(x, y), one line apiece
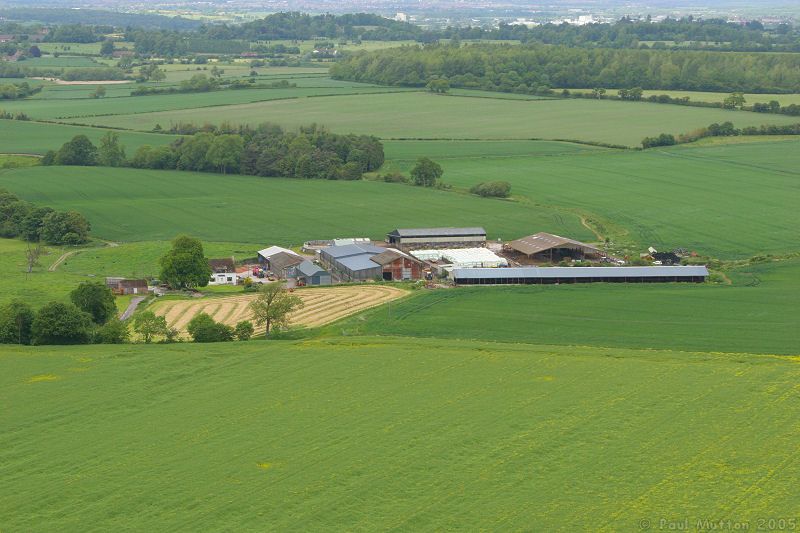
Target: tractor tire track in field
point(61, 259)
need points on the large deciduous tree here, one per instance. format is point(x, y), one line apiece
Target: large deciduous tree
point(273, 305)
point(185, 266)
point(96, 299)
point(426, 172)
point(77, 151)
point(59, 323)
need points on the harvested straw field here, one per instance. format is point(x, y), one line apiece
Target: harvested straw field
point(322, 306)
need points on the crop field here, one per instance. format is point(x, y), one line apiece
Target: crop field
point(757, 314)
point(144, 205)
point(64, 61)
point(692, 197)
point(420, 115)
point(96, 111)
point(26, 137)
point(705, 96)
point(313, 435)
point(320, 306)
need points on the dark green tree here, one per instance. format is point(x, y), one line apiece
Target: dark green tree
point(78, 151)
point(185, 265)
point(107, 48)
point(426, 172)
point(59, 323)
point(203, 328)
point(96, 299)
point(114, 331)
point(16, 319)
point(64, 228)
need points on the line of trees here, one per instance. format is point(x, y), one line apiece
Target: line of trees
point(537, 69)
point(33, 223)
point(89, 317)
point(267, 150)
point(726, 129)
point(15, 91)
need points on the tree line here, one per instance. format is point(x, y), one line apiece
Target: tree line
point(33, 223)
point(539, 68)
point(726, 129)
point(310, 153)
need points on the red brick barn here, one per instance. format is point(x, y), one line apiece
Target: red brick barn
point(397, 266)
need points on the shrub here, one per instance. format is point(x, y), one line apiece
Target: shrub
point(58, 323)
point(244, 330)
point(203, 328)
point(492, 189)
point(114, 331)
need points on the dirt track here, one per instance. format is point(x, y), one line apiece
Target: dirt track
point(322, 306)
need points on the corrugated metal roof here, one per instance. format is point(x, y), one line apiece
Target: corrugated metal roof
point(439, 232)
point(307, 268)
point(351, 249)
point(579, 272)
point(358, 262)
point(266, 253)
point(539, 242)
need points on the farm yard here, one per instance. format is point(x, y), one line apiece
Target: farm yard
point(405, 405)
point(321, 306)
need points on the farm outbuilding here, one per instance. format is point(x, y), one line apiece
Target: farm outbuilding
point(463, 257)
point(123, 286)
point(398, 266)
point(554, 275)
point(310, 274)
point(548, 247)
point(409, 239)
point(280, 261)
point(352, 262)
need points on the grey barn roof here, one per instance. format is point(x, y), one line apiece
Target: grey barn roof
point(352, 249)
point(358, 262)
point(307, 268)
point(438, 232)
point(580, 272)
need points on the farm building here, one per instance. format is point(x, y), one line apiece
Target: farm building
point(359, 262)
point(463, 257)
point(280, 261)
point(553, 275)
point(352, 262)
point(310, 274)
point(223, 271)
point(552, 248)
point(409, 239)
point(122, 286)
point(398, 266)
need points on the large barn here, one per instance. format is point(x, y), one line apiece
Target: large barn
point(548, 247)
point(410, 239)
point(280, 261)
point(361, 262)
point(554, 275)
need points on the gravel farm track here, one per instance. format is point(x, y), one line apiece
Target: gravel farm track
point(322, 306)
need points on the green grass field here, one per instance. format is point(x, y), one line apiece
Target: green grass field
point(97, 111)
point(377, 433)
point(135, 205)
point(757, 314)
point(424, 115)
point(704, 96)
point(702, 198)
point(24, 137)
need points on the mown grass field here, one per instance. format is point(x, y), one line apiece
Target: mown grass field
point(728, 201)
point(379, 433)
point(136, 205)
point(26, 137)
point(758, 313)
point(421, 115)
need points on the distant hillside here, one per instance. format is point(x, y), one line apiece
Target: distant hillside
point(96, 17)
